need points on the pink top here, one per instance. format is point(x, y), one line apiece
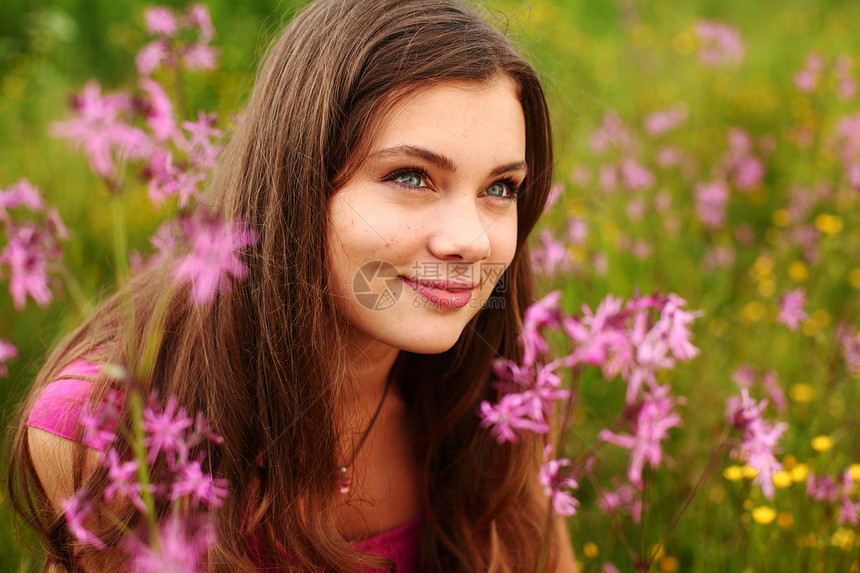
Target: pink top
point(58, 408)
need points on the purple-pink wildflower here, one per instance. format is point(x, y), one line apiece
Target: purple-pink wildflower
point(556, 480)
point(623, 499)
point(182, 542)
point(99, 421)
point(791, 311)
point(77, 510)
point(98, 127)
point(514, 413)
point(759, 438)
point(720, 44)
point(159, 111)
point(165, 430)
point(665, 120)
point(7, 353)
point(123, 479)
point(711, 203)
point(201, 487)
point(26, 257)
point(151, 57)
point(21, 193)
point(851, 352)
point(551, 256)
point(213, 258)
point(160, 20)
point(654, 419)
point(197, 16)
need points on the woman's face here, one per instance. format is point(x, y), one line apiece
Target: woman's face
point(420, 236)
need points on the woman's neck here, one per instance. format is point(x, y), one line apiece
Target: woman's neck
point(370, 366)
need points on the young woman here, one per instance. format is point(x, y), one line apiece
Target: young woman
point(393, 159)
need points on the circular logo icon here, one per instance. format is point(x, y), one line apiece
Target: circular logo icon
point(376, 286)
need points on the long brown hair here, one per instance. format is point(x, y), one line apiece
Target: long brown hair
point(266, 362)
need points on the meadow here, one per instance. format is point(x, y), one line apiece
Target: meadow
point(706, 149)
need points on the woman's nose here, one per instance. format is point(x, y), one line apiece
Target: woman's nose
point(461, 232)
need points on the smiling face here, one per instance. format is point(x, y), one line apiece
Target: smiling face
point(421, 234)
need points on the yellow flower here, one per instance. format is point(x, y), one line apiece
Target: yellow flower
point(782, 479)
point(799, 472)
point(669, 564)
point(801, 393)
point(656, 551)
point(854, 470)
point(590, 550)
point(843, 539)
point(784, 520)
point(733, 473)
point(752, 312)
point(749, 471)
point(798, 271)
point(822, 443)
point(763, 514)
point(854, 278)
point(781, 218)
point(828, 224)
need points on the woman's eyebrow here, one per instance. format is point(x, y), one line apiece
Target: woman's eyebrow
point(439, 160)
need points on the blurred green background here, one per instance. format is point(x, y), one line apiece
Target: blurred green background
point(597, 56)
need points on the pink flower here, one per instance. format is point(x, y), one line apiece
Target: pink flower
point(553, 197)
point(99, 129)
point(77, 509)
point(624, 499)
point(612, 133)
point(200, 57)
point(166, 179)
point(198, 17)
point(159, 111)
point(596, 336)
point(160, 20)
point(165, 429)
point(513, 414)
point(182, 542)
point(791, 308)
point(21, 193)
point(744, 376)
point(551, 256)
point(123, 479)
point(7, 353)
point(770, 382)
point(99, 421)
point(202, 487)
point(720, 44)
point(555, 479)
point(577, 231)
point(823, 488)
point(758, 440)
point(634, 175)
point(711, 203)
point(806, 79)
point(201, 149)
point(214, 255)
point(151, 56)
point(653, 421)
point(26, 257)
point(851, 352)
point(666, 120)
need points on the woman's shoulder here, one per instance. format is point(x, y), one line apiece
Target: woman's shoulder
point(60, 406)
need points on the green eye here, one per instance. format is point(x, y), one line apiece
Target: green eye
point(411, 179)
point(497, 190)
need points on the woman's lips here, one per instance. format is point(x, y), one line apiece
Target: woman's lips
point(441, 293)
